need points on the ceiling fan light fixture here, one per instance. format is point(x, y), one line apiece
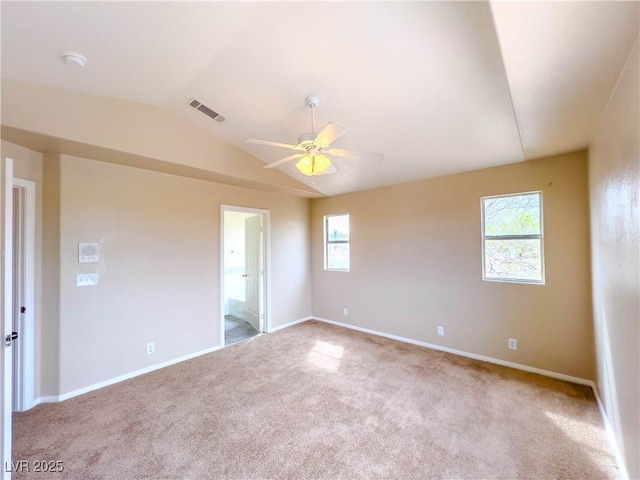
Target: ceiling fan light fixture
point(313, 164)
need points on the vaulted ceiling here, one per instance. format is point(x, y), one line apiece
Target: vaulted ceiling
point(437, 87)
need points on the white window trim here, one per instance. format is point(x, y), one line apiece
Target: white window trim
point(326, 242)
point(518, 237)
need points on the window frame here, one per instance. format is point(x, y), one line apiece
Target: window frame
point(535, 236)
point(327, 242)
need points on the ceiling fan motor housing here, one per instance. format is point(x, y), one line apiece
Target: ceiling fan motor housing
point(308, 140)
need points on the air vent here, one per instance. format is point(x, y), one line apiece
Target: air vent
point(206, 110)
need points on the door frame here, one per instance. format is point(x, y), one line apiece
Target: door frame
point(6, 309)
point(266, 245)
point(24, 388)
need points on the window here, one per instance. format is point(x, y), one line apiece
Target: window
point(512, 238)
point(336, 242)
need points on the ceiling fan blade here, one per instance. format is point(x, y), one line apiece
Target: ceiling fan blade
point(274, 144)
point(341, 152)
point(284, 160)
point(331, 132)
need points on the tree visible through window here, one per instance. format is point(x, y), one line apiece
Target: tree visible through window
point(512, 243)
point(336, 242)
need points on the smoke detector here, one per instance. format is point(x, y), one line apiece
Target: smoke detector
point(74, 59)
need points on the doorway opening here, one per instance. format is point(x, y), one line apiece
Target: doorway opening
point(244, 273)
point(23, 375)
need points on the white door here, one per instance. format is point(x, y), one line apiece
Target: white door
point(6, 304)
point(253, 255)
point(24, 196)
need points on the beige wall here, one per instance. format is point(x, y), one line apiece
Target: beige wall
point(160, 267)
point(28, 165)
point(416, 261)
point(614, 181)
point(50, 333)
point(57, 120)
point(159, 274)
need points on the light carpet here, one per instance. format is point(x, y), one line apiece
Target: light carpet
point(319, 401)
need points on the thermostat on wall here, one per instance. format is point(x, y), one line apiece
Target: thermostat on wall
point(88, 252)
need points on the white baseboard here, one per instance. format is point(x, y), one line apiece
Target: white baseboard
point(548, 373)
point(622, 467)
point(610, 433)
point(45, 399)
point(290, 324)
point(624, 475)
point(462, 353)
point(121, 378)
point(127, 376)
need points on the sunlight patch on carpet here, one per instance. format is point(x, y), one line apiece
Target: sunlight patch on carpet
point(576, 429)
point(326, 355)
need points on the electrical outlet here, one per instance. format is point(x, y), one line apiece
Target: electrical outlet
point(345, 311)
point(151, 348)
point(440, 330)
point(513, 344)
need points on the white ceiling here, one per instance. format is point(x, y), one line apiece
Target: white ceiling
point(437, 87)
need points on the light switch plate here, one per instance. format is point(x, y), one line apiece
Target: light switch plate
point(86, 279)
point(88, 252)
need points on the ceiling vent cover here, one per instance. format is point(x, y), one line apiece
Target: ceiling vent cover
point(206, 110)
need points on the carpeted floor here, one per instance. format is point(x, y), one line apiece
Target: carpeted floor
point(318, 401)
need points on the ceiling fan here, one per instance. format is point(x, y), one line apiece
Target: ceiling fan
point(316, 148)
